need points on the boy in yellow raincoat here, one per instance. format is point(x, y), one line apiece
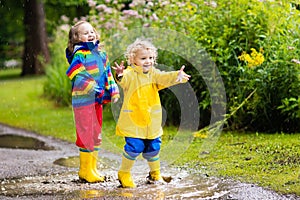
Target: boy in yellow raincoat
point(141, 113)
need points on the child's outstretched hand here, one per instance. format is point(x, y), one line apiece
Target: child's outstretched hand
point(119, 68)
point(182, 75)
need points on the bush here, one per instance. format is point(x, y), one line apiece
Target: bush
point(57, 85)
point(226, 30)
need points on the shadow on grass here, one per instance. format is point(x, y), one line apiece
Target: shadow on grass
point(10, 74)
point(13, 74)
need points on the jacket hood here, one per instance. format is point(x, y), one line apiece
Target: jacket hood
point(79, 46)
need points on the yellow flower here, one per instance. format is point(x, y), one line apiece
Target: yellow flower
point(200, 134)
point(192, 8)
point(254, 58)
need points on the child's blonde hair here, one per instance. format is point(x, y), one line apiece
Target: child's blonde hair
point(139, 43)
point(74, 35)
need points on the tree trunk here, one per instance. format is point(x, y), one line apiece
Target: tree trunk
point(36, 52)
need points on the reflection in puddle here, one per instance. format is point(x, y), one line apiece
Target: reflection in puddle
point(22, 142)
point(90, 194)
point(73, 162)
point(68, 162)
point(182, 185)
point(177, 190)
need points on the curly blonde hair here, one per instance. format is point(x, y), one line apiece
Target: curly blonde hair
point(138, 44)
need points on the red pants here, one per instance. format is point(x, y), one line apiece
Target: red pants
point(88, 122)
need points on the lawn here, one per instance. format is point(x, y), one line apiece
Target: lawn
point(269, 160)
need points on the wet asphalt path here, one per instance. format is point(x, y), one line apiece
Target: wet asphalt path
point(34, 174)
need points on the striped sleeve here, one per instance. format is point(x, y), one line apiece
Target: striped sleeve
point(110, 83)
point(76, 66)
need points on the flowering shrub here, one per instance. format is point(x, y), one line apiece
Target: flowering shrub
point(254, 59)
point(57, 85)
point(226, 30)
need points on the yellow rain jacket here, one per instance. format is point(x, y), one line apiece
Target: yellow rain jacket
point(141, 112)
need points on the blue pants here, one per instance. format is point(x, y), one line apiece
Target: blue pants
point(149, 148)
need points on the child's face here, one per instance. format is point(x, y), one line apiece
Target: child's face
point(86, 33)
point(144, 58)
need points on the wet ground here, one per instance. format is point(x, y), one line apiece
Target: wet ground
point(37, 167)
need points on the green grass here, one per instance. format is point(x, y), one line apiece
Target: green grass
point(23, 106)
point(9, 74)
point(269, 160)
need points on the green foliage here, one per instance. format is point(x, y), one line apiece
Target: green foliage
point(12, 28)
point(269, 160)
point(224, 29)
point(67, 10)
point(57, 85)
point(11, 31)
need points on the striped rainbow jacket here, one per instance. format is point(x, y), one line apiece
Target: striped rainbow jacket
point(91, 76)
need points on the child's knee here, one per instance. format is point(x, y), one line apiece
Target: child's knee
point(151, 156)
point(134, 147)
point(130, 155)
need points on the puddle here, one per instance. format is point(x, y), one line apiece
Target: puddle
point(183, 185)
point(68, 162)
point(22, 142)
point(53, 175)
point(67, 186)
point(73, 162)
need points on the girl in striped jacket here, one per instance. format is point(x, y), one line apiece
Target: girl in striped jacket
point(92, 86)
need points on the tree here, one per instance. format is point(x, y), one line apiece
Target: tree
point(11, 31)
point(36, 52)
